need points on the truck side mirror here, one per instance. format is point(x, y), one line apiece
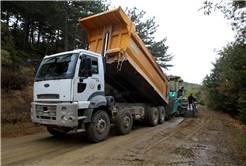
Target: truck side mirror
point(88, 67)
point(88, 64)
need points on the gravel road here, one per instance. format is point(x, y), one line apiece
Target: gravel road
point(179, 141)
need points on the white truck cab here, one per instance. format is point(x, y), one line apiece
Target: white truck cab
point(67, 87)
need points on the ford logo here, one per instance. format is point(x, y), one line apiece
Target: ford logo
point(46, 85)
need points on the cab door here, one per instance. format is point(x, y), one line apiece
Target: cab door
point(86, 85)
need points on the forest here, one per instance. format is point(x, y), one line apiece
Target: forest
point(224, 89)
point(30, 30)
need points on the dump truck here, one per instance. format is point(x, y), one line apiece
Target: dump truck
point(69, 87)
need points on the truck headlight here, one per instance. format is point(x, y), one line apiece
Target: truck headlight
point(64, 110)
point(64, 119)
point(39, 110)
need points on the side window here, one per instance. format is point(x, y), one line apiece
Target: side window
point(94, 67)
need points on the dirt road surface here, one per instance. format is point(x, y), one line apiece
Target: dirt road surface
point(179, 141)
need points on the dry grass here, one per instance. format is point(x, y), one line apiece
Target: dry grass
point(10, 130)
point(238, 135)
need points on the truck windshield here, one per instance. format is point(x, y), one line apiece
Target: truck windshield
point(60, 67)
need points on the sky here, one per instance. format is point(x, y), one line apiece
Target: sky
point(191, 35)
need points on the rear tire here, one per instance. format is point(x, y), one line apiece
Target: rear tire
point(153, 116)
point(161, 111)
point(97, 130)
point(57, 133)
point(123, 122)
point(146, 115)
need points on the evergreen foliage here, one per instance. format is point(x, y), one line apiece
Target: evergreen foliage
point(32, 29)
point(40, 27)
point(225, 87)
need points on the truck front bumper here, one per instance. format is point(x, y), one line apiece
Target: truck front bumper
point(59, 114)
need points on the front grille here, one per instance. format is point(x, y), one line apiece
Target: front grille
point(48, 96)
point(46, 112)
point(46, 117)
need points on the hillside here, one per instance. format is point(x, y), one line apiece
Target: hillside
point(192, 85)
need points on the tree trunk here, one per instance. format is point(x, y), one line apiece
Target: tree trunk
point(74, 34)
point(8, 18)
point(57, 41)
point(15, 27)
point(66, 38)
point(32, 32)
point(85, 40)
point(47, 48)
point(7, 32)
point(26, 33)
point(39, 34)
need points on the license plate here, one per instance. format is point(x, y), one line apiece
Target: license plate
point(45, 122)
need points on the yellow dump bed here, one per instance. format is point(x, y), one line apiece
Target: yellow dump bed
point(131, 68)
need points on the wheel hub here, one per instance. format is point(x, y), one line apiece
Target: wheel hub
point(155, 116)
point(126, 121)
point(101, 126)
point(162, 115)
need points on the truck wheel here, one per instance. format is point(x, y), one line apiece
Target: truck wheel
point(57, 133)
point(145, 120)
point(123, 121)
point(153, 116)
point(97, 130)
point(161, 111)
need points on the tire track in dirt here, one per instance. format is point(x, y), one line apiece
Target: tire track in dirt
point(187, 143)
point(110, 150)
point(20, 150)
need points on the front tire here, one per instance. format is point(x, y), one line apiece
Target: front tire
point(153, 116)
point(123, 122)
point(97, 130)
